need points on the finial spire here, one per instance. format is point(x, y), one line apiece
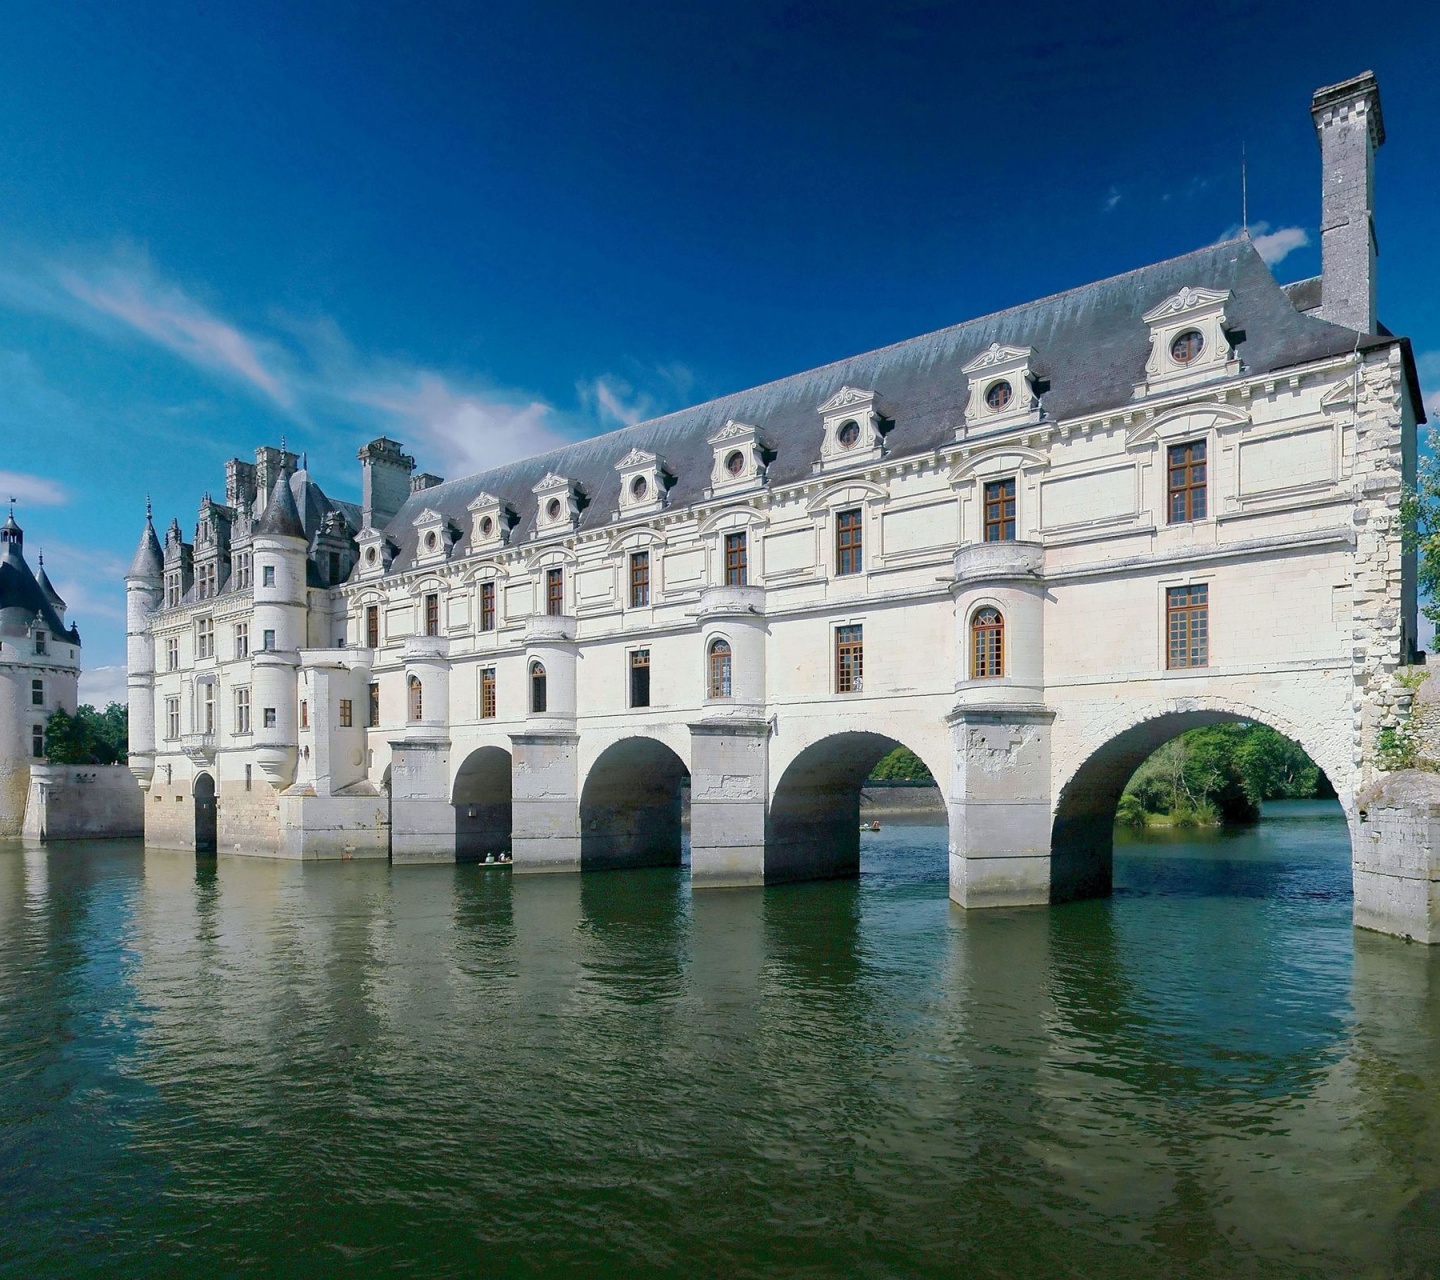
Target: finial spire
point(1244, 194)
point(147, 508)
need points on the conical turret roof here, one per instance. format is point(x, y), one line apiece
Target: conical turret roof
point(148, 561)
point(281, 518)
point(48, 588)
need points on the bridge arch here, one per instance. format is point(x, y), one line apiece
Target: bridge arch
point(481, 799)
point(812, 828)
point(1087, 792)
point(630, 806)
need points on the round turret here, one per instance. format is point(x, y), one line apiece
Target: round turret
point(280, 549)
point(144, 583)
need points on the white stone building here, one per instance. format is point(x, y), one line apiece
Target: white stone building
point(1030, 547)
point(39, 671)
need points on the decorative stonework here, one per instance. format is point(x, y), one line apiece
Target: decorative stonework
point(491, 521)
point(1189, 342)
point(557, 505)
point(854, 429)
point(644, 483)
point(1002, 390)
point(739, 463)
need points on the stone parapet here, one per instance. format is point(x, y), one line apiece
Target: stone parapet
point(982, 562)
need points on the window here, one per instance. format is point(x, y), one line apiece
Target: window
point(267, 575)
point(735, 560)
point(207, 708)
point(205, 638)
point(997, 395)
point(40, 642)
point(720, 669)
point(268, 716)
point(849, 659)
point(537, 689)
point(242, 710)
point(640, 677)
point(172, 590)
point(206, 579)
point(1187, 611)
point(487, 693)
point(37, 741)
point(1187, 482)
point(1187, 346)
point(304, 714)
point(347, 713)
point(334, 568)
point(37, 693)
point(268, 639)
point(639, 579)
point(374, 706)
point(487, 606)
point(849, 552)
point(172, 717)
point(849, 434)
point(172, 653)
point(735, 463)
point(987, 644)
point(247, 775)
point(242, 571)
point(242, 640)
point(417, 702)
point(432, 614)
point(1000, 511)
point(555, 592)
point(372, 626)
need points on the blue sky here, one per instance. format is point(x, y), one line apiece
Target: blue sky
point(486, 228)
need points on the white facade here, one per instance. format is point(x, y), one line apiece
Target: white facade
point(768, 592)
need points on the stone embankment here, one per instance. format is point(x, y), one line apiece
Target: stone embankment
point(902, 801)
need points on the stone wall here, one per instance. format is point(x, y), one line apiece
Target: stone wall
point(83, 802)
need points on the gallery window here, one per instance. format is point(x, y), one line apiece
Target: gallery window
point(417, 701)
point(1186, 483)
point(487, 693)
point(736, 560)
point(1187, 625)
point(207, 708)
point(268, 639)
point(242, 710)
point(640, 677)
point(720, 669)
point(172, 717)
point(268, 717)
point(37, 693)
point(850, 659)
point(1000, 510)
point(487, 606)
point(372, 626)
point(172, 653)
point(374, 706)
point(432, 614)
point(639, 579)
point(849, 553)
point(205, 638)
point(267, 575)
point(537, 689)
point(347, 713)
point(555, 592)
point(987, 644)
point(242, 640)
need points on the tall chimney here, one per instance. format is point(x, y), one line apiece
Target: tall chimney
point(1348, 123)
point(385, 481)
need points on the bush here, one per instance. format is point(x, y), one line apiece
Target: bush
point(89, 736)
point(901, 765)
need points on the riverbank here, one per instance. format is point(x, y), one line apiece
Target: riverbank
point(901, 801)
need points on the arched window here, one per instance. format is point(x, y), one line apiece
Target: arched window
point(719, 686)
point(987, 644)
point(417, 706)
point(537, 688)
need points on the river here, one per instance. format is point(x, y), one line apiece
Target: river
point(263, 1068)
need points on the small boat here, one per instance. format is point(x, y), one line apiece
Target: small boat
point(870, 826)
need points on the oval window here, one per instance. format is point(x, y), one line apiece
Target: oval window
point(849, 434)
point(553, 510)
point(369, 555)
point(487, 526)
point(735, 463)
point(998, 395)
point(1187, 346)
point(430, 541)
point(639, 487)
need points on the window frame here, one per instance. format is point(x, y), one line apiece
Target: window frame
point(640, 579)
point(987, 643)
point(1189, 605)
point(372, 626)
point(487, 606)
point(431, 607)
point(999, 510)
point(172, 718)
point(267, 575)
point(242, 709)
point(639, 662)
point(347, 713)
point(488, 698)
point(242, 641)
point(37, 693)
point(539, 688)
point(414, 699)
point(374, 705)
point(1191, 492)
point(735, 550)
point(849, 665)
point(719, 670)
point(849, 542)
point(555, 592)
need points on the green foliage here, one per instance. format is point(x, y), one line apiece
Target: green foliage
point(89, 736)
point(1398, 747)
point(1221, 773)
point(1420, 519)
point(901, 765)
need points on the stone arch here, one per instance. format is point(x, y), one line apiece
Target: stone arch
point(206, 824)
point(481, 798)
point(630, 806)
point(812, 827)
point(1087, 792)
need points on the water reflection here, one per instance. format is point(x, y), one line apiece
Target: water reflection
point(249, 1065)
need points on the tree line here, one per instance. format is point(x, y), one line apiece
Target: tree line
point(88, 736)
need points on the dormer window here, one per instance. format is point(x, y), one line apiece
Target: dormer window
point(639, 487)
point(855, 425)
point(552, 509)
point(1189, 341)
point(435, 535)
point(491, 522)
point(376, 552)
point(1002, 389)
point(558, 509)
point(741, 458)
point(644, 482)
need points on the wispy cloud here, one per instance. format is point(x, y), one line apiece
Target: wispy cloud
point(38, 491)
point(1272, 246)
point(1112, 198)
point(615, 401)
point(100, 686)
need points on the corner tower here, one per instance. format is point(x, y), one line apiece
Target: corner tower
point(1351, 129)
point(144, 585)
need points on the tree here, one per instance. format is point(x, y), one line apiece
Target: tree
point(1420, 520)
point(89, 736)
point(901, 765)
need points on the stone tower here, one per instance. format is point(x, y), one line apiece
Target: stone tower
point(280, 625)
point(144, 584)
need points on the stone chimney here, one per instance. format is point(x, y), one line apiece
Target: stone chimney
point(1348, 122)
point(385, 483)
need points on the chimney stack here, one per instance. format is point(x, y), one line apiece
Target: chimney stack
point(385, 483)
point(1350, 128)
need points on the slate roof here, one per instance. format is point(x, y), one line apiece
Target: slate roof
point(1090, 344)
point(281, 518)
point(149, 561)
point(20, 589)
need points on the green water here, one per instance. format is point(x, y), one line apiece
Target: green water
point(269, 1069)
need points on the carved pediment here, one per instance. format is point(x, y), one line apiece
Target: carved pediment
point(551, 482)
point(998, 354)
point(733, 430)
point(847, 398)
point(1186, 300)
point(481, 501)
point(428, 516)
point(635, 458)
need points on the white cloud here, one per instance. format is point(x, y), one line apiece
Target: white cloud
point(168, 316)
point(102, 686)
point(614, 400)
point(35, 490)
point(1112, 198)
point(1272, 246)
